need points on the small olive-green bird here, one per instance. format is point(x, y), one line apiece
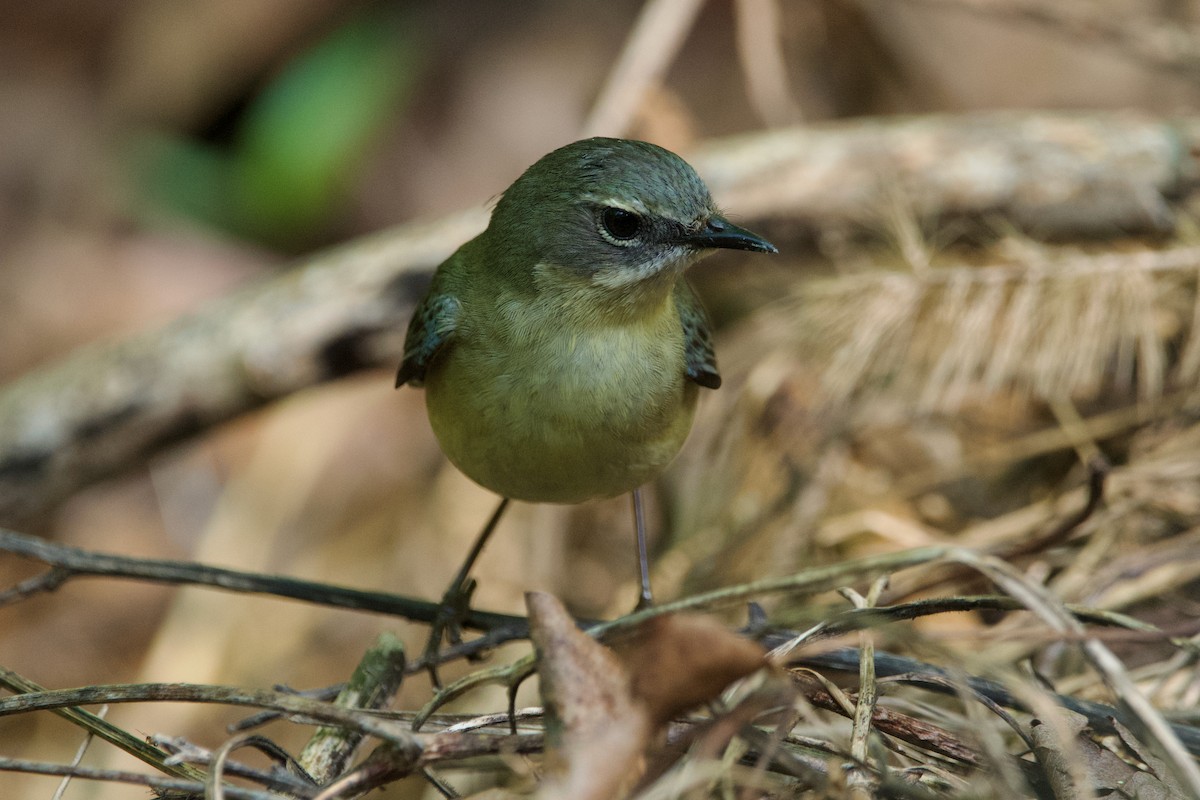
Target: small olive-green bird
point(562, 350)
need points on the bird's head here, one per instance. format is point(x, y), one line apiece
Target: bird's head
point(610, 217)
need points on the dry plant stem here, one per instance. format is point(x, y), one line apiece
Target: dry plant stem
point(994, 695)
point(79, 754)
point(1147, 38)
point(858, 619)
point(405, 751)
point(292, 779)
point(372, 685)
point(185, 787)
point(814, 771)
point(1098, 471)
point(298, 708)
point(1150, 720)
point(905, 728)
point(70, 562)
point(102, 729)
point(760, 53)
point(809, 581)
point(388, 763)
point(651, 47)
point(214, 788)
point(111, 406)
point(510, 627)
point(864, 707)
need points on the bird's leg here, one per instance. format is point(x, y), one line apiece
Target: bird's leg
point(646, 598)
point(456, 602)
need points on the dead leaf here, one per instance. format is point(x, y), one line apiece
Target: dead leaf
point(595, 730)
point(679, 661)
point(1108, 772)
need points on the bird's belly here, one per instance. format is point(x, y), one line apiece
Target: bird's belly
point(570, 419)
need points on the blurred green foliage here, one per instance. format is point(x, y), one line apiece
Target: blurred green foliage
point(298, 145)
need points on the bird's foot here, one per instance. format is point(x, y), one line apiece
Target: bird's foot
point(447, 624)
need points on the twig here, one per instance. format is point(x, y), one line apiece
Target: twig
point(72, 562)
point(656, 38)
point(101, 728)
point(293, 780)
point(387, 763)
point(760, 53)
point(1143, 715)
point(858, 619)
point(809, 581)
point(47, 581)
point(888, 665)
point(187, 787)
point(903, 727)
point(1098, 471)
point(372, 686)
point(298, 708)
point(214, 787)
point(864, 706)
point(79, 753)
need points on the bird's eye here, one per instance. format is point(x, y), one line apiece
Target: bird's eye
point(620, 225)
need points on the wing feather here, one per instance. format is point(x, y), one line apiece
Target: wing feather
point(429, 332)
point(701, 360)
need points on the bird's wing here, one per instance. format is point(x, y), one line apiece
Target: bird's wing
point(701, 361)
point(430, 330)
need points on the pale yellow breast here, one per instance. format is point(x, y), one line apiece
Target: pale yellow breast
point(551, 411)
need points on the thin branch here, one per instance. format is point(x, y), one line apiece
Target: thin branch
point(656, 38)
point(41, 583)
point(760, 53)
point(292, 781)
point(808, 581)
point(373, 685)
point(298, 708)
point(905, 728)
point(160, 784)
point(78, 759)
point(103, 729)
point(918, 673)
point(73, 562)
point(1139, 711)
point(219, 765)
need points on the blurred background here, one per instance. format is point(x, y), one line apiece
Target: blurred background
point(156, 156)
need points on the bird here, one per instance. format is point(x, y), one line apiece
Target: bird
point(562, 349)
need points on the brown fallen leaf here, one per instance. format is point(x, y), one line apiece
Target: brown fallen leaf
point(603, 706)
point(1107, 772)
point(595, 730)
point(679, 661)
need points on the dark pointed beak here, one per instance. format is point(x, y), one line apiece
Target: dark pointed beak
point(722, 233)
